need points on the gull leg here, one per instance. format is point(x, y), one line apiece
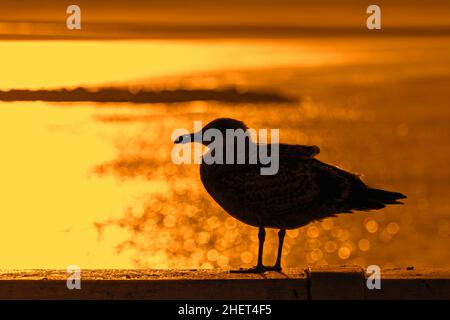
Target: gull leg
point(259, 267)
point(277, 266)
point(261, 238)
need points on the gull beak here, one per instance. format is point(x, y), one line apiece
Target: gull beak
point(185, 138)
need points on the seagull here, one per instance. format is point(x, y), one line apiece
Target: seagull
point(303, 190)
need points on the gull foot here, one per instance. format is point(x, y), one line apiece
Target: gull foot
point(273, 268)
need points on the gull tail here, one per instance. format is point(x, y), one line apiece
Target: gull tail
point(374, 199)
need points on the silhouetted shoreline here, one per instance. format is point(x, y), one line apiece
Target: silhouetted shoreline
point(80, 94)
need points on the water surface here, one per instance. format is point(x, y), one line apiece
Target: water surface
point(93, 184)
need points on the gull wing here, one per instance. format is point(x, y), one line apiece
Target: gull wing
point(291, 151)
point(301, 191)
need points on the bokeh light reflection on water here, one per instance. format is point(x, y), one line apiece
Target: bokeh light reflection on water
point(203, 236)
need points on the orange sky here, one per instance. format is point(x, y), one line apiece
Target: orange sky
point(138, 17)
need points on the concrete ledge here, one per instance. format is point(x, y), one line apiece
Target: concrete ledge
point(331, 283)
point(155, 284)
point(314, 283)
point(413, 283)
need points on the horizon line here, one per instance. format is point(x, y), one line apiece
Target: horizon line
point(141, 96)
point(109, 31)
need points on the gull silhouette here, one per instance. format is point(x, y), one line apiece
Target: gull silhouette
point(302, 191)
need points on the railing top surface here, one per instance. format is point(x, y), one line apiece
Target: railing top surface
point(218, 274)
